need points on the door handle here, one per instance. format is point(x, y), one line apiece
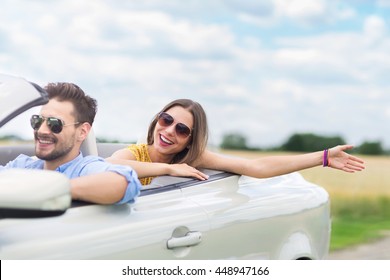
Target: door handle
point(192, 238)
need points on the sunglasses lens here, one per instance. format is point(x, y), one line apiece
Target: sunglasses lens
point(183, 130)
point(54, 124)
point(36, 121)
point(165, 119)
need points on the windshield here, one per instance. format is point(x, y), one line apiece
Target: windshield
point(18, 95)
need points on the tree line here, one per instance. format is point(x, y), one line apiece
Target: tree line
point(303, 142)
point(298, 142)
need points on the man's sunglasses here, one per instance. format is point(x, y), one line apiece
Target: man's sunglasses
point(165, 119)
point(54, 124)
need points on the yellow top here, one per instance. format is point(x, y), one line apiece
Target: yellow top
point(140, 151)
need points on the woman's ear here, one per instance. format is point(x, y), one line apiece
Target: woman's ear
point(190, 141)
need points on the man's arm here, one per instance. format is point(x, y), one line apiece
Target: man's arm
point(97, 181)
point(102, 188)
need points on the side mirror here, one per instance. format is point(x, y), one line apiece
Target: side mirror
point(27, 193)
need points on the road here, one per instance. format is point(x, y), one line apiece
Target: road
point(378, 250)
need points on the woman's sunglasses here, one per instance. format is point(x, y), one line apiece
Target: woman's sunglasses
point(55, 124)
point(165, 119)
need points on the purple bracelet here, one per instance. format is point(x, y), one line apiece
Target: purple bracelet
point(325, 158)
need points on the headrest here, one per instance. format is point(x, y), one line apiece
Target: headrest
point(89, 147)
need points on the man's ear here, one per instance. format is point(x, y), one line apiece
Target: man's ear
point(84, 130)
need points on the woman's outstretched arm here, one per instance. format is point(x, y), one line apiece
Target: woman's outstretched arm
point(336, 158)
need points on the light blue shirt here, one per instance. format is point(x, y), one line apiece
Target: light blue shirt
point(81, 166)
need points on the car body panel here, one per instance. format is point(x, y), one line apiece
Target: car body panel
point(231, 221)
point(259, 213)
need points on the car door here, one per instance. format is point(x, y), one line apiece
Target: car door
point(161, 224)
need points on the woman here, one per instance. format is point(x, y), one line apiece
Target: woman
point(176, 146)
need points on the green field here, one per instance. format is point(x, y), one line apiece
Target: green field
point(360, 202)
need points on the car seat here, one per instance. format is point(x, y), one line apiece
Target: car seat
point(89, 146)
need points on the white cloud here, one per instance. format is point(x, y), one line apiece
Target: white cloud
point(314, 12)
point(375, 28)
point(301, 12)
point(302, 9)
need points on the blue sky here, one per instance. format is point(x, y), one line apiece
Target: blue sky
point(265, 69)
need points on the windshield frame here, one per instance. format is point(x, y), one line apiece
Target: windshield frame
point(12, 89)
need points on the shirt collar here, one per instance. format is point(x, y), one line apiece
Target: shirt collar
point(63, 167)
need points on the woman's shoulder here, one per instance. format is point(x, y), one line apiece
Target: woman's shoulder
point(140, 151)
point(138, 147)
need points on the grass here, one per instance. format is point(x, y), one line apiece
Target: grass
point(359, 220)
point(360, 202)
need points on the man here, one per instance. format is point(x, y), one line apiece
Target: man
point(60, 129)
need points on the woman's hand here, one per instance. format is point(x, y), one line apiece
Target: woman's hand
point(185, 170)
point(341, 160)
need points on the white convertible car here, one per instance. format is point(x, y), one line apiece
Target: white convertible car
point(226, 217)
